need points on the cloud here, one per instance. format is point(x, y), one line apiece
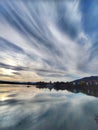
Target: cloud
point(49, 39)
point(17, 68)
point(5, 75)
point(8, 46)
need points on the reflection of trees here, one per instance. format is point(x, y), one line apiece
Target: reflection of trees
point(96, 119)
point(70, 86)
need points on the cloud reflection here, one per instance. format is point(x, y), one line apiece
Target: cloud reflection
point(42, 109)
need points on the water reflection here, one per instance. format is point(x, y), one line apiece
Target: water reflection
point(91, 92)
point(39, 109)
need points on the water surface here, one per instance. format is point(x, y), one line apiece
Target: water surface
point(23, 108)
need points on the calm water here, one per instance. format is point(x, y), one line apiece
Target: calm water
point(31, 108)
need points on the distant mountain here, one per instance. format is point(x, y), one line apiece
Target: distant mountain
point(87, 79)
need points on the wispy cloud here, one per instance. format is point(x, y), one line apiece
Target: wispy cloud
point(49, 40)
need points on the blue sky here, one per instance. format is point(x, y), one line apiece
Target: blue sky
point(48, 40)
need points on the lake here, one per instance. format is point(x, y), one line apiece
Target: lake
point(23, 108)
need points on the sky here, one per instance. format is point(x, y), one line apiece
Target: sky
point(43, 40)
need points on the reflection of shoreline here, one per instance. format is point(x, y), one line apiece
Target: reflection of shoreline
point(88, 87)
point(86, 91)
point(89, 90)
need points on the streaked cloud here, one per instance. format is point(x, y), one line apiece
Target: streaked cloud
point(48, 40)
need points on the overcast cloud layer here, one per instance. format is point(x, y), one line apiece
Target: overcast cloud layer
point(48, 39)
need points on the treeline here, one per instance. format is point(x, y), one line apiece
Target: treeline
point(66, 85)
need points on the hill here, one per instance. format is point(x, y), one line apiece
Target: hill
point(87, 80)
